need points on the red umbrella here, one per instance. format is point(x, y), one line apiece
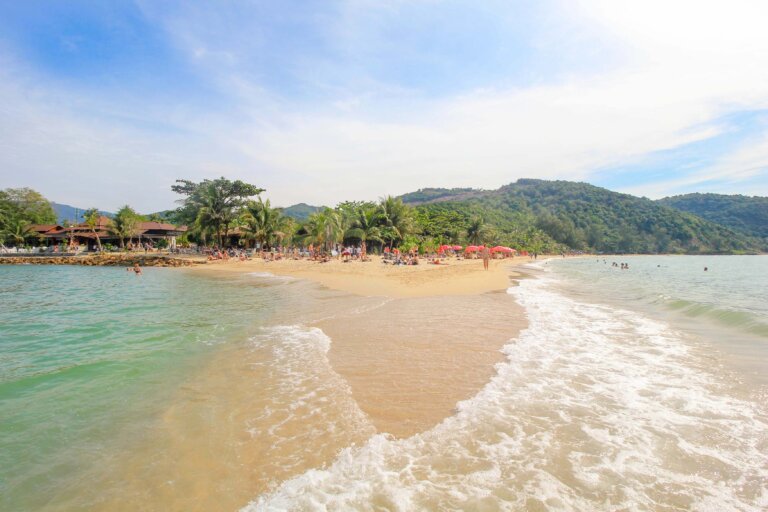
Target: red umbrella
point(457, 247)
point(472, 248)
point(501, 248)
point(386, 249)
point(396, 251)
point(445, 247)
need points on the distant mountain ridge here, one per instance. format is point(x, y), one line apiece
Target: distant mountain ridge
point(432, 195)
point(746, 214)
point(580, 216)
point(301, 211)
point(65, 212)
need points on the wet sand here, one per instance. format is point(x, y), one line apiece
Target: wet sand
point(406, 345)
point(373, 278)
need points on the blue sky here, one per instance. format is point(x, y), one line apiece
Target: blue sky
point(105, 103)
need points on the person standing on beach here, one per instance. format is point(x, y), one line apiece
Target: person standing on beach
point(486, 255)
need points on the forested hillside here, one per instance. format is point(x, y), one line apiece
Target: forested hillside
point(301, 211)
point(746, 214)
point(582, 217)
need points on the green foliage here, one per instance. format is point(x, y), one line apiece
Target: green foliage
point(747, 215)
point(266, 225)
point(425, 195)
point(212, 206)
point(301, 211)
point(548, 216)
point(92, 216)
point(125, 224)
point(19, 209)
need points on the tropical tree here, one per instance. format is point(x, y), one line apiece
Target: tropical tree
point(213, 204)
point(477, 230)
point(17, 231)
point(92, 218)
point(396, 220)
point(125, 223)
point(324, 228)
point(365, 224)
point(264, 224)
point(26, 204)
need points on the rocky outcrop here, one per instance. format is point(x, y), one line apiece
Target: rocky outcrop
point(106, 260)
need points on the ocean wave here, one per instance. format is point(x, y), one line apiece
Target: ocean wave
point(271, 276)
point(736, 319)
point(595, 408)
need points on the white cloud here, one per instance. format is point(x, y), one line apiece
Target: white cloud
point(676, 69)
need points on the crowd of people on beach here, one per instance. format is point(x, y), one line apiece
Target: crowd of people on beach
point(349, 253)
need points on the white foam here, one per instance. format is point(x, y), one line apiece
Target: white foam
point(270, 276)
point(595, 409)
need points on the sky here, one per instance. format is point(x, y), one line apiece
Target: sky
point(105, 103)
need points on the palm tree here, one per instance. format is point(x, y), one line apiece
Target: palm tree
point(324, 228)
point(17, 230)
point(265, 224)
point(364, 225)
point(214, 204)
point(477, 230)
point(396, 219)
point(93, 220)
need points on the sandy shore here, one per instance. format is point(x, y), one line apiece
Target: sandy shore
point(457, 277)
point(432, 344)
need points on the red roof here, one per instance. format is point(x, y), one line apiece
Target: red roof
point(43, 228)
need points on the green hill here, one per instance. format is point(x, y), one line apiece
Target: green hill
point(429, 195)
point(581, 217)
point(301, 211)
point(745, 214)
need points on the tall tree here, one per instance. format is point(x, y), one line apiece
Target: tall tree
point(324, 228)
point(396, 218)
point(215, 203)
point(125, 224)
point(92, 220)
point(17, 231)
point(478, 231)
point(364, 224)
point(28, 205)
point(264, 224)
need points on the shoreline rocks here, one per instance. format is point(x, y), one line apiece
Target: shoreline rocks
point(103, 260)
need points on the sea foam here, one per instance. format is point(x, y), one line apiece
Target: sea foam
point(596, 408)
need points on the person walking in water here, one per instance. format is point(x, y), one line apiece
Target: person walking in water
point(486, 255)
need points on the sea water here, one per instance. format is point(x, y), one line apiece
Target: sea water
point(638, 389)
point(628, 390)
point(89, 358)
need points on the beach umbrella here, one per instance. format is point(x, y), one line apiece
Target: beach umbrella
point(472, 248)
point(445, 247)
point(457, 247)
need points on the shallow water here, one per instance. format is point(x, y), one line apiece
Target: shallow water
point(596, 408)
point(223, 390)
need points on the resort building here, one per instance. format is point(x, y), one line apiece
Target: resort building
point(85, 236)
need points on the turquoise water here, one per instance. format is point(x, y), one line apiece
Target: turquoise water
point(90, 356)
point(725, 305)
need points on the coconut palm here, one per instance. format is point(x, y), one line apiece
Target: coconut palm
point(477, 230)
point(364, 224)
point(396, 219)
point(324, 228)
point(92, 220)
point(264, 224)
point(214, 204)
point(17, 231)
